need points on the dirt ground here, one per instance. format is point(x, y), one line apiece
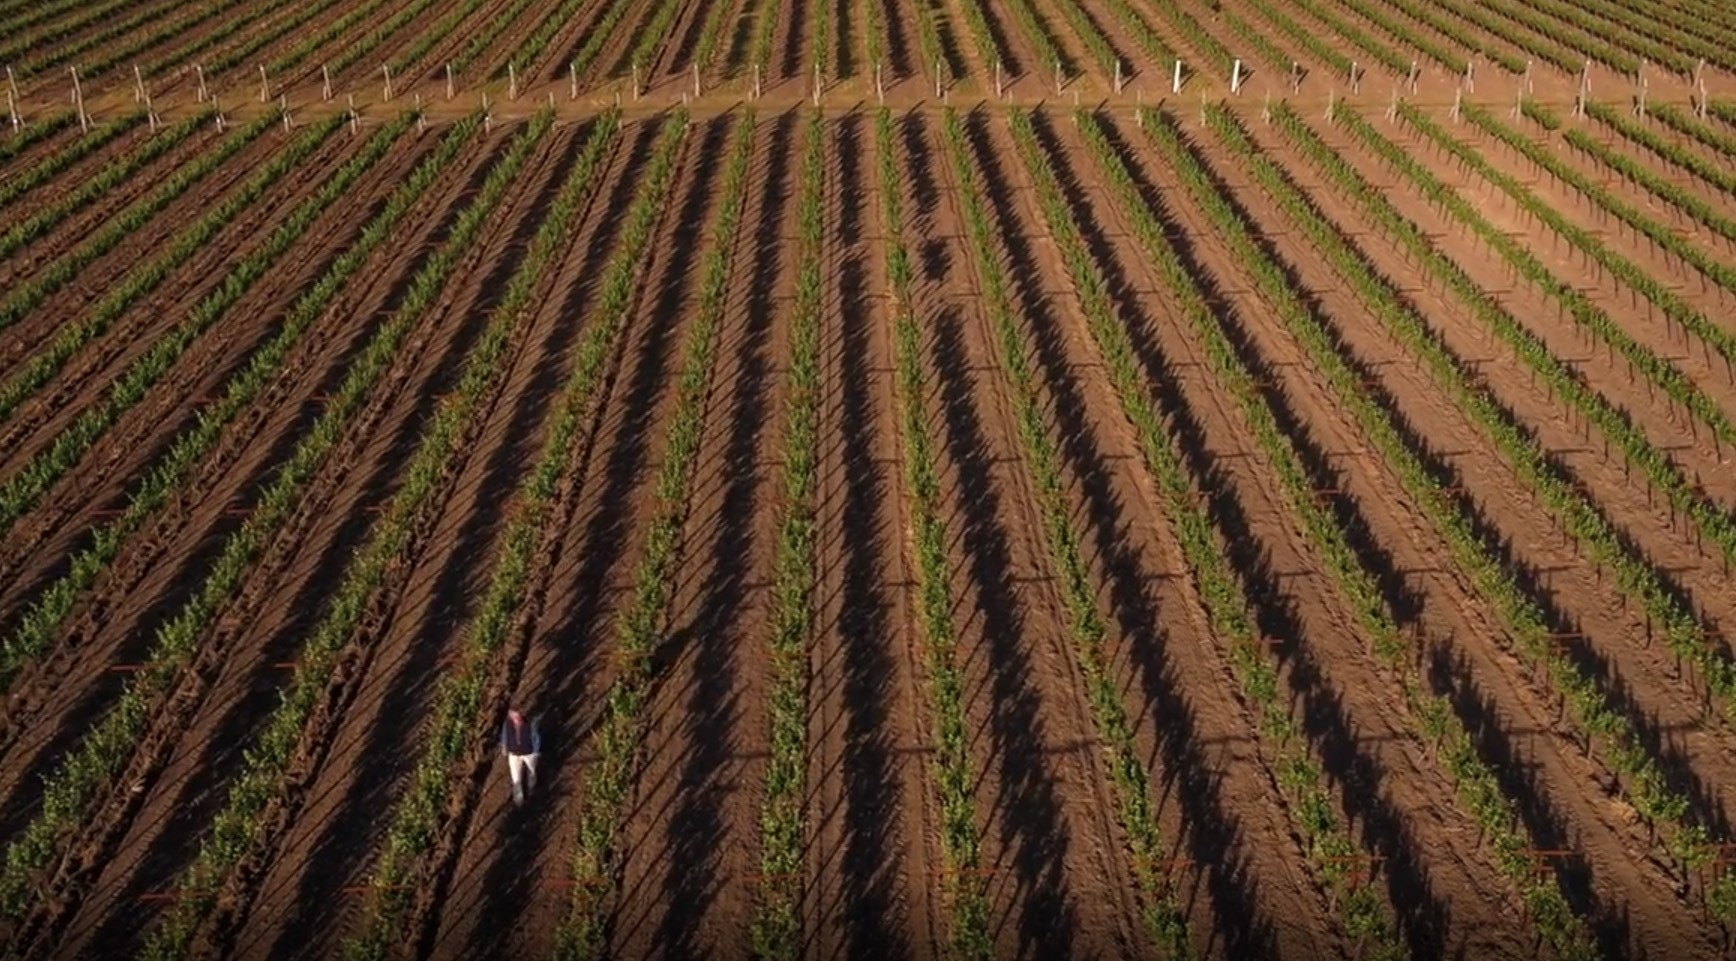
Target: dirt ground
point(88, 590)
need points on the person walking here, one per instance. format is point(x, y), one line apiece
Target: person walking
point(521, 742)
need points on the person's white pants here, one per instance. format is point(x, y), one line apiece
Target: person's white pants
point(522, 767)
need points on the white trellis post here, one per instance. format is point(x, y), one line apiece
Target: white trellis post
point(1175, 81)
point(1295, 77)
point(512, 81)
point(12, 111)
point(150, 112)
point(819, 83)
point(1117, 74)
point(199, 71)
point(937, 77)
point(1060, 80)
point(1355, 77)
point(1458, 98)
point(1236, 77)
point(1700, 87)
point(635, 80)
point(1528, 86)
point(1410, 79)
point(488, 115)
point(386, 71)
point(138, 85)
point(573, 75)
point(1641, 107)
point(1470, 76)
point(355, 122)
point(78, 98)
point(1350, 78)
point(422, 118)
point(1518, 103)
point(325, 76)
point(1000, 86)
point(264, 86)
point(1266, 109)
point(696, 80)
point(222, 122)
point(879, 84)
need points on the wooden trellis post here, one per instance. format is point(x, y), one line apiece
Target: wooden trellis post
point(1175, 82)
point(199, 71)
point(1236, 77)
point(78, 99)
point(325, 75)
point(386, 70)
point(138, 85)
point(264, 85)
point(283, 108)
point(512, 81)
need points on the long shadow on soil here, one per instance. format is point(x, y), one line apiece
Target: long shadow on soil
point(1030, 811)
point(1032, 830)
point(505, 885)
point(696, 829)
point(202, 794)
point(795, 26)
point(1328, 727)
point(897, 41)
point(871, 862)
point(1452, 675)
point(1214, 835)
point(712, 698)
point(1705, 799)
point(141, 627)
point(681, 58)
point(114, 494)
point(344, 843)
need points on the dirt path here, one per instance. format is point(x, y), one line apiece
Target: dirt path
point(301, 902)
point(87, 377)
point(1568, 801)
point(250, 452)
point(692, 841)
point(507, 864)
point(37, 545)
point(267, 624)
point(1450, 895)
point(1586, 605)
point(869, 862)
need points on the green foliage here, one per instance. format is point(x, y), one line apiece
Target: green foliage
point(960, 838)
point(1592, 712)
point(777, 933)
point(52, 166)
point(28, 294)
point(1430, 716)
point(458, 702)
point(240, 828)
point(162, 480)
point(139, 282)
point(88, 772)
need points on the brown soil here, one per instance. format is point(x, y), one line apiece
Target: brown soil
point(1058, 871)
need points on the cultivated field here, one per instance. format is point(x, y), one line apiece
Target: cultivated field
point(1042, 478)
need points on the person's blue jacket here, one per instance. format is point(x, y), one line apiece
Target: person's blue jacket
point(521, 739)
